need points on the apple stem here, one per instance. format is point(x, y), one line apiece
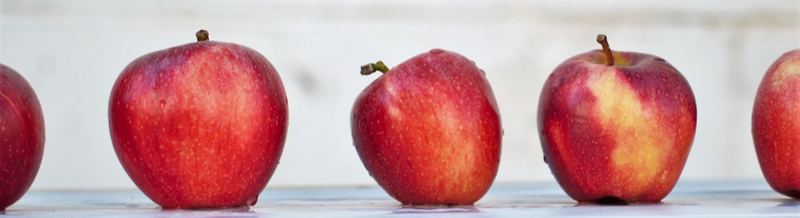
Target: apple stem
point(603, 40)
point(202, 35)
point(371, 68)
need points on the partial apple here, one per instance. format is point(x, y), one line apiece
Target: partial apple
point(776, 124)
point(21, 136)
point(616, 127)
point(428, 131)
point(200, 125)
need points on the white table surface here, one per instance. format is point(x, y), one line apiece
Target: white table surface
point(689, 199)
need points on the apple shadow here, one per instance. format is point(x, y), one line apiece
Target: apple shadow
point(428, 209)
point(787, 202)
point(612, 201)
point(619, 203)
point(619, 209)
point(770, 206)
point(242, 211)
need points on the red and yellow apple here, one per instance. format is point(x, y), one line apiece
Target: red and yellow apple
point(776, 124)
point(616, 126)
point(21, 136)
point(428, 131)
point(200, 125)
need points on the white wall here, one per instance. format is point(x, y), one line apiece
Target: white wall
point(72, 51)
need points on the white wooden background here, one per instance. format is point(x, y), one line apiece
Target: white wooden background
point(72, 51)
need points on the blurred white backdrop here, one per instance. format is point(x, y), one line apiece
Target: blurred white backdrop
point(72, 51)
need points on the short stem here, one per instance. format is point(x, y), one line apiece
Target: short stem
point(371, 68)
point(603, 40)
point(201, 35)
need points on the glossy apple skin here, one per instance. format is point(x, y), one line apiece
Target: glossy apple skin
point(21, 136)
point(621, 132)
point(776, 124)
point(201, 125)
point(428, 130)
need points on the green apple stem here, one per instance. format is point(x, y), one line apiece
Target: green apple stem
point(603, 40)
point(371, 68)
point(201, 35)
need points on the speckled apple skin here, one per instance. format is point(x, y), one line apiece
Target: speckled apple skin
point(776, 124)
point(621, 131)
point(201, 125)
point(21, 136)
point(428, 130)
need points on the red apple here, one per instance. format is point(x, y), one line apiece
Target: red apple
point(200, 125)
point(428, 131)
point(21, 136)
point(776, 124)
point(616, 127)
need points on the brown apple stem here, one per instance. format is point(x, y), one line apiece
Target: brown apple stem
point(603, 40)
point(201, 35)
point(371, 68)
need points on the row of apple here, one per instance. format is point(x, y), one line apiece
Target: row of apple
point(203, 125)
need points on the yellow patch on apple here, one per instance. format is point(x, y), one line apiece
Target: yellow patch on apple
point(618, 59)
point(783, 73)
point(632, 126)
point(454, 132)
